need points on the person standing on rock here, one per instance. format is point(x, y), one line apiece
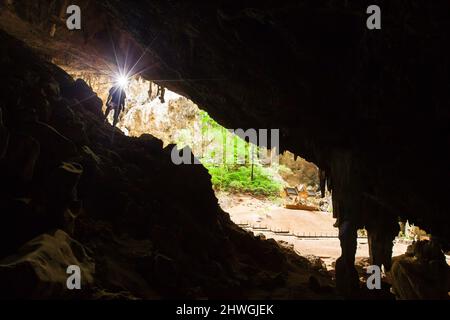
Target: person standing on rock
point(160, 93)
point(116, 101)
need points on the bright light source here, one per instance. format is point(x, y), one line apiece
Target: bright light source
point(122, 81)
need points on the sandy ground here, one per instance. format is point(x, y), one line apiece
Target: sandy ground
point(257, 213)
point(327, 249)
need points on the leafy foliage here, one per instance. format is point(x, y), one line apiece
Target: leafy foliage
point(228, 158)
point(238, 179)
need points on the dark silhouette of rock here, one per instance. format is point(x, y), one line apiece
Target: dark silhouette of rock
point(421, 273)
point(84, 95)
point(316, 263)
point(39, 269)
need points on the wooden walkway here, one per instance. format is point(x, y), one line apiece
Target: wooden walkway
point(309, 235)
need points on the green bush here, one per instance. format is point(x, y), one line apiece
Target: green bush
point(238, 179)
point(232, 174)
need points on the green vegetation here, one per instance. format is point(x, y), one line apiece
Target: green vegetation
point(228, 159)
point(238, 179)
point(362, 233)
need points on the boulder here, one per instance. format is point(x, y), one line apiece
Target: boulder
point(421, 273)
point(316, 263)
point(39, 269)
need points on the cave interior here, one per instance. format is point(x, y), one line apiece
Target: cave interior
point(369, 107)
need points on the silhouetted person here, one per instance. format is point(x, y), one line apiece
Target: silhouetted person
point(116, 101)
point(160, 93)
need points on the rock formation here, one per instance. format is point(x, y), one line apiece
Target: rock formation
point(299, 170)
point(421, 273)
point(38, 270)
point(368, 107)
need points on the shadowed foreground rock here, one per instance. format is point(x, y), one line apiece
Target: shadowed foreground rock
point(421, 273)
point(38, 270)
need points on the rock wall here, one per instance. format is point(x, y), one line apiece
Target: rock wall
point(144, 112)
point(301, 171)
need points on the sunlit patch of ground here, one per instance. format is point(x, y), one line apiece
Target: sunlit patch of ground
point(260, 213)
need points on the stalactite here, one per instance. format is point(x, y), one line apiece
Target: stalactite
point(322, 181)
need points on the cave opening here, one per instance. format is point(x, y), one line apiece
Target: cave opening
point(251, 183)
point(274, 196)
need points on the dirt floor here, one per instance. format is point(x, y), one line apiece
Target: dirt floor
point(269, 218)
